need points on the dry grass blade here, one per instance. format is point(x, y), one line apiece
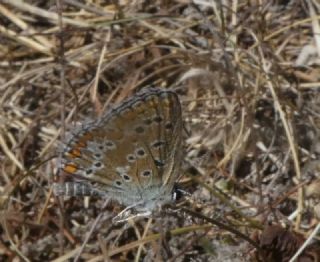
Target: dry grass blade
point(52, 17)
point(248, 80)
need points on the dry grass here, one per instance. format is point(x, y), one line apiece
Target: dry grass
point(248, 78)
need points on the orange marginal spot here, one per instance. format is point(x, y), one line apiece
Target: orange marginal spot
point(74, 153)
point(80, 144)
point(85, 137)
point(70, 168)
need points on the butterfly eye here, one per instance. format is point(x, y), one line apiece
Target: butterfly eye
point(178, 193)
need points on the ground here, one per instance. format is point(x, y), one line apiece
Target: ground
point(247, 77)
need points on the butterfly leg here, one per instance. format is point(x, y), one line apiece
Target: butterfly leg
point(127, 214)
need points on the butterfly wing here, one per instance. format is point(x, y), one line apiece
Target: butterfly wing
point(131, 150)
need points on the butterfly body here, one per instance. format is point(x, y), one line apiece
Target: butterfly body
point(131, 154)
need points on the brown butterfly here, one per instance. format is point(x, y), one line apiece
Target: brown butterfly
point(131, 154)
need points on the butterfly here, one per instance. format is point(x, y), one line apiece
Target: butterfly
point(132, 154)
